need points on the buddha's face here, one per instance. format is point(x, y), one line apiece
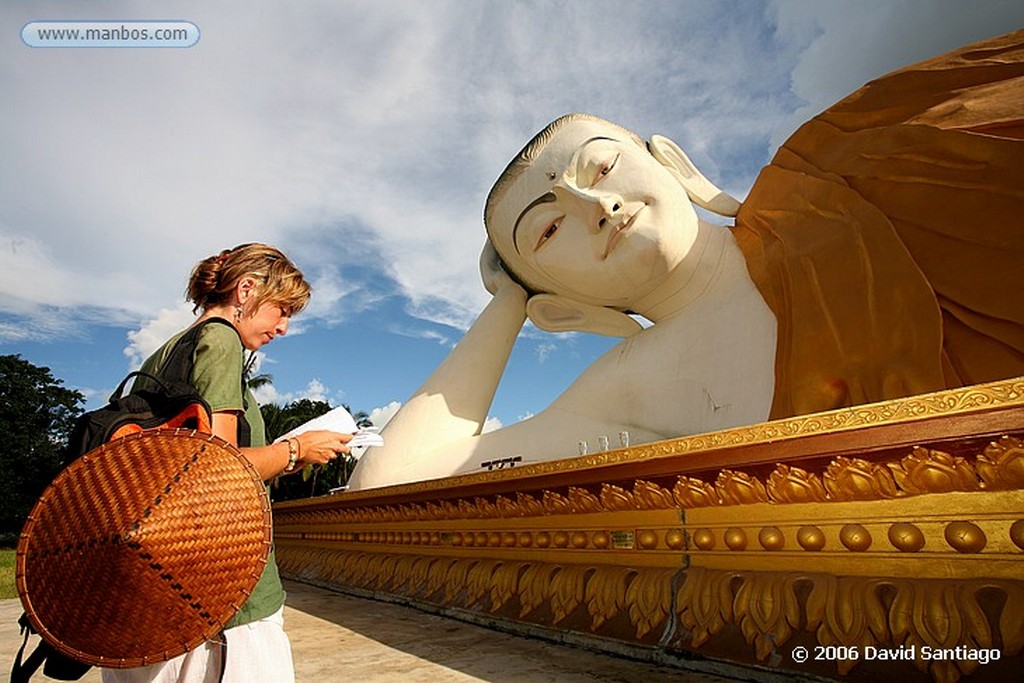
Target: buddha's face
point(595, 218)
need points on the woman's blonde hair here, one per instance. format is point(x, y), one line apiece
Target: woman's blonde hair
point(278, 280)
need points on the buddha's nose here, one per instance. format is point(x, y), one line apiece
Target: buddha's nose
point(611, 207)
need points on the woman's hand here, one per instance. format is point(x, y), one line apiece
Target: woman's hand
point(320, 447)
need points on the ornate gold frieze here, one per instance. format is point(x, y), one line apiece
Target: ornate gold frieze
point(770, 609)
point(846, 541)
point(922, 471)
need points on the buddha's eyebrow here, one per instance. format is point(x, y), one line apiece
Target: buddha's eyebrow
point(550, 196)
point(543, 199)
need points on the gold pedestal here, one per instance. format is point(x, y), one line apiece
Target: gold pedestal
point(885, 539)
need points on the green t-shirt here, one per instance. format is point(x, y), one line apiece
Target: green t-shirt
point(217, 376)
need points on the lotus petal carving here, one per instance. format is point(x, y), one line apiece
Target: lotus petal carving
point(740, 488)
point(704, 603)
point(529, 505)
point(1001, 466)
point(555, 504)
point(534, 587)
point(616, 498)
point(582, 501)
point(649, 597)
point(767, 610)
point(795, 485)
point(847, 611)
point(848, 479)
point(694, 493)
point(567, 591)
point(932, 471)
point(504, 581)
point(605, 594)
point(649, 496)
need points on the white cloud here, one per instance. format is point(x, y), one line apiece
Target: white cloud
point(381, 416)
point(315, 390)
point(491, 424)
point(396, 131)
point(369, 157)
point(545, 349)
point(143, 342)
point(848, 44)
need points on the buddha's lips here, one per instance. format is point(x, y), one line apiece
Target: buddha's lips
point(613, 239)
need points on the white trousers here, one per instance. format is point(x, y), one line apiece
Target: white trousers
point(258, 652)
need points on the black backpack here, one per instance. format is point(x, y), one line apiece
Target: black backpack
point(165, 400)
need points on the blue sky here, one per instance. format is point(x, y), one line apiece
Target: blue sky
point(362, 138)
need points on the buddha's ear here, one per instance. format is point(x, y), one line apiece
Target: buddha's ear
point(701, 191)
point(556, 313)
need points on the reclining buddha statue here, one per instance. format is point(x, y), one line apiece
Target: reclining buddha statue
point(879, 255)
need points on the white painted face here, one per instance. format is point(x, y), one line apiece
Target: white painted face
point(595, 218)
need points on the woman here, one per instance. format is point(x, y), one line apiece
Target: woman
point(257, 289)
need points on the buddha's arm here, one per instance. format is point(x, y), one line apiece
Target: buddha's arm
point(453, 402)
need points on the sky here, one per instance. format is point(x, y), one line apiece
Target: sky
point(362, 138)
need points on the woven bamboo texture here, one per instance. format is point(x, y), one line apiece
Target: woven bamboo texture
point(144, 548)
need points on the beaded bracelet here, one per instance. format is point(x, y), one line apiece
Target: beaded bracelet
point(293, 455)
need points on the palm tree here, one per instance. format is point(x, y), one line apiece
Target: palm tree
point(278, 420)
point(315, 480)
point(261, 380)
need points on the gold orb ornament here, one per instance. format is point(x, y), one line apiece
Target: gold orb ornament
point(810, 538)
point(736, 538)
point(675, 539)
point(771, 538)
point(647, 539)
point(1017, 533)
point(906, 537)
point(965, 537)
point(855, 537)
point(704, 539)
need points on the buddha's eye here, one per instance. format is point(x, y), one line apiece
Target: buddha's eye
point(548, 233)
point(607, 166)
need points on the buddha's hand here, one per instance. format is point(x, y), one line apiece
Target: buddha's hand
point(493, 273)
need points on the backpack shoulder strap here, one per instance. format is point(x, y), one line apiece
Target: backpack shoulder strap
point(178, 366)
point(56, 665)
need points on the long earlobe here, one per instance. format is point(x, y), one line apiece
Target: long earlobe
point(555, 313)
point(701, 191)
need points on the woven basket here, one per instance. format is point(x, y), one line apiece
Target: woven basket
point(144, 548)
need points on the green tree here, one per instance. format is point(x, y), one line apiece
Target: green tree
point(277, 420)
point(36, 416)
point(257, 381)
point(313, 481)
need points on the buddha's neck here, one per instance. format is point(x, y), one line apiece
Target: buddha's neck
point(705, 274)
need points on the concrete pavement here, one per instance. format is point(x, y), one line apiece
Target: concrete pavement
point(337, 637)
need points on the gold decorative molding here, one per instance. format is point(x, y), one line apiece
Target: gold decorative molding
point(922, 471)
point(768, 608)
point(847, 541)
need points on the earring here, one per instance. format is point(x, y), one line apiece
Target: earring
point(238, 314)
